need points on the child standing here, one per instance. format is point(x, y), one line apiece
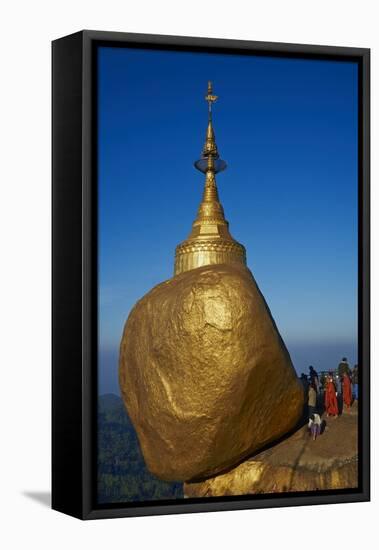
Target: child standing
point(314, 425)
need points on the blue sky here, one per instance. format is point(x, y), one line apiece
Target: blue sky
point(288, 130)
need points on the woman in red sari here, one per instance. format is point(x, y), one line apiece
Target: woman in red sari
point(347, 396)
point(331, 405)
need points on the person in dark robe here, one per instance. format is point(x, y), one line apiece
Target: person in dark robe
point(331, 405)
point(304, 381)
point(313, 376)
point(347, 395)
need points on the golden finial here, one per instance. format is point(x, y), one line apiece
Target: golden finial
point(210, 98)
point(210, 147)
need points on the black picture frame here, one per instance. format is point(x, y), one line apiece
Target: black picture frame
point(74, 273)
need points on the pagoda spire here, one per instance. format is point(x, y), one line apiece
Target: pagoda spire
point(210, 241)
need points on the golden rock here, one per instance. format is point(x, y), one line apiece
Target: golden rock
point(204, 373)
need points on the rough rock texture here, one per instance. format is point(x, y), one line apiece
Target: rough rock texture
point(296, 464)
point(204, 373)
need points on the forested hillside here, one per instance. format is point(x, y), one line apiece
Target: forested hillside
point(122, 474)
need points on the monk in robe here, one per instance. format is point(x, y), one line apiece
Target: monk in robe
point(347, 394)
point(331, 405)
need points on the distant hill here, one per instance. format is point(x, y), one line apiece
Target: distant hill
point(122, 474)
point(109, 401)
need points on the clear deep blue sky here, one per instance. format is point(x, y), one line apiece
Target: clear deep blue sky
point(288, 130)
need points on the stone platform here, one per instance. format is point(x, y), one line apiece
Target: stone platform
point(296, 463)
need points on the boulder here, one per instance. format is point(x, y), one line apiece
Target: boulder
point(204, 373)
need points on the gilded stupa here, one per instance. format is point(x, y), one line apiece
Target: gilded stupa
point(203, 371)
point(210, 241)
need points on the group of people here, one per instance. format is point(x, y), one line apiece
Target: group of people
point(324, 391)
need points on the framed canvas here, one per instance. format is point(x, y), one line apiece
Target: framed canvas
point(210, 327)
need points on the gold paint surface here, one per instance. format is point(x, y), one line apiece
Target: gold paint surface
point(204, 373)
